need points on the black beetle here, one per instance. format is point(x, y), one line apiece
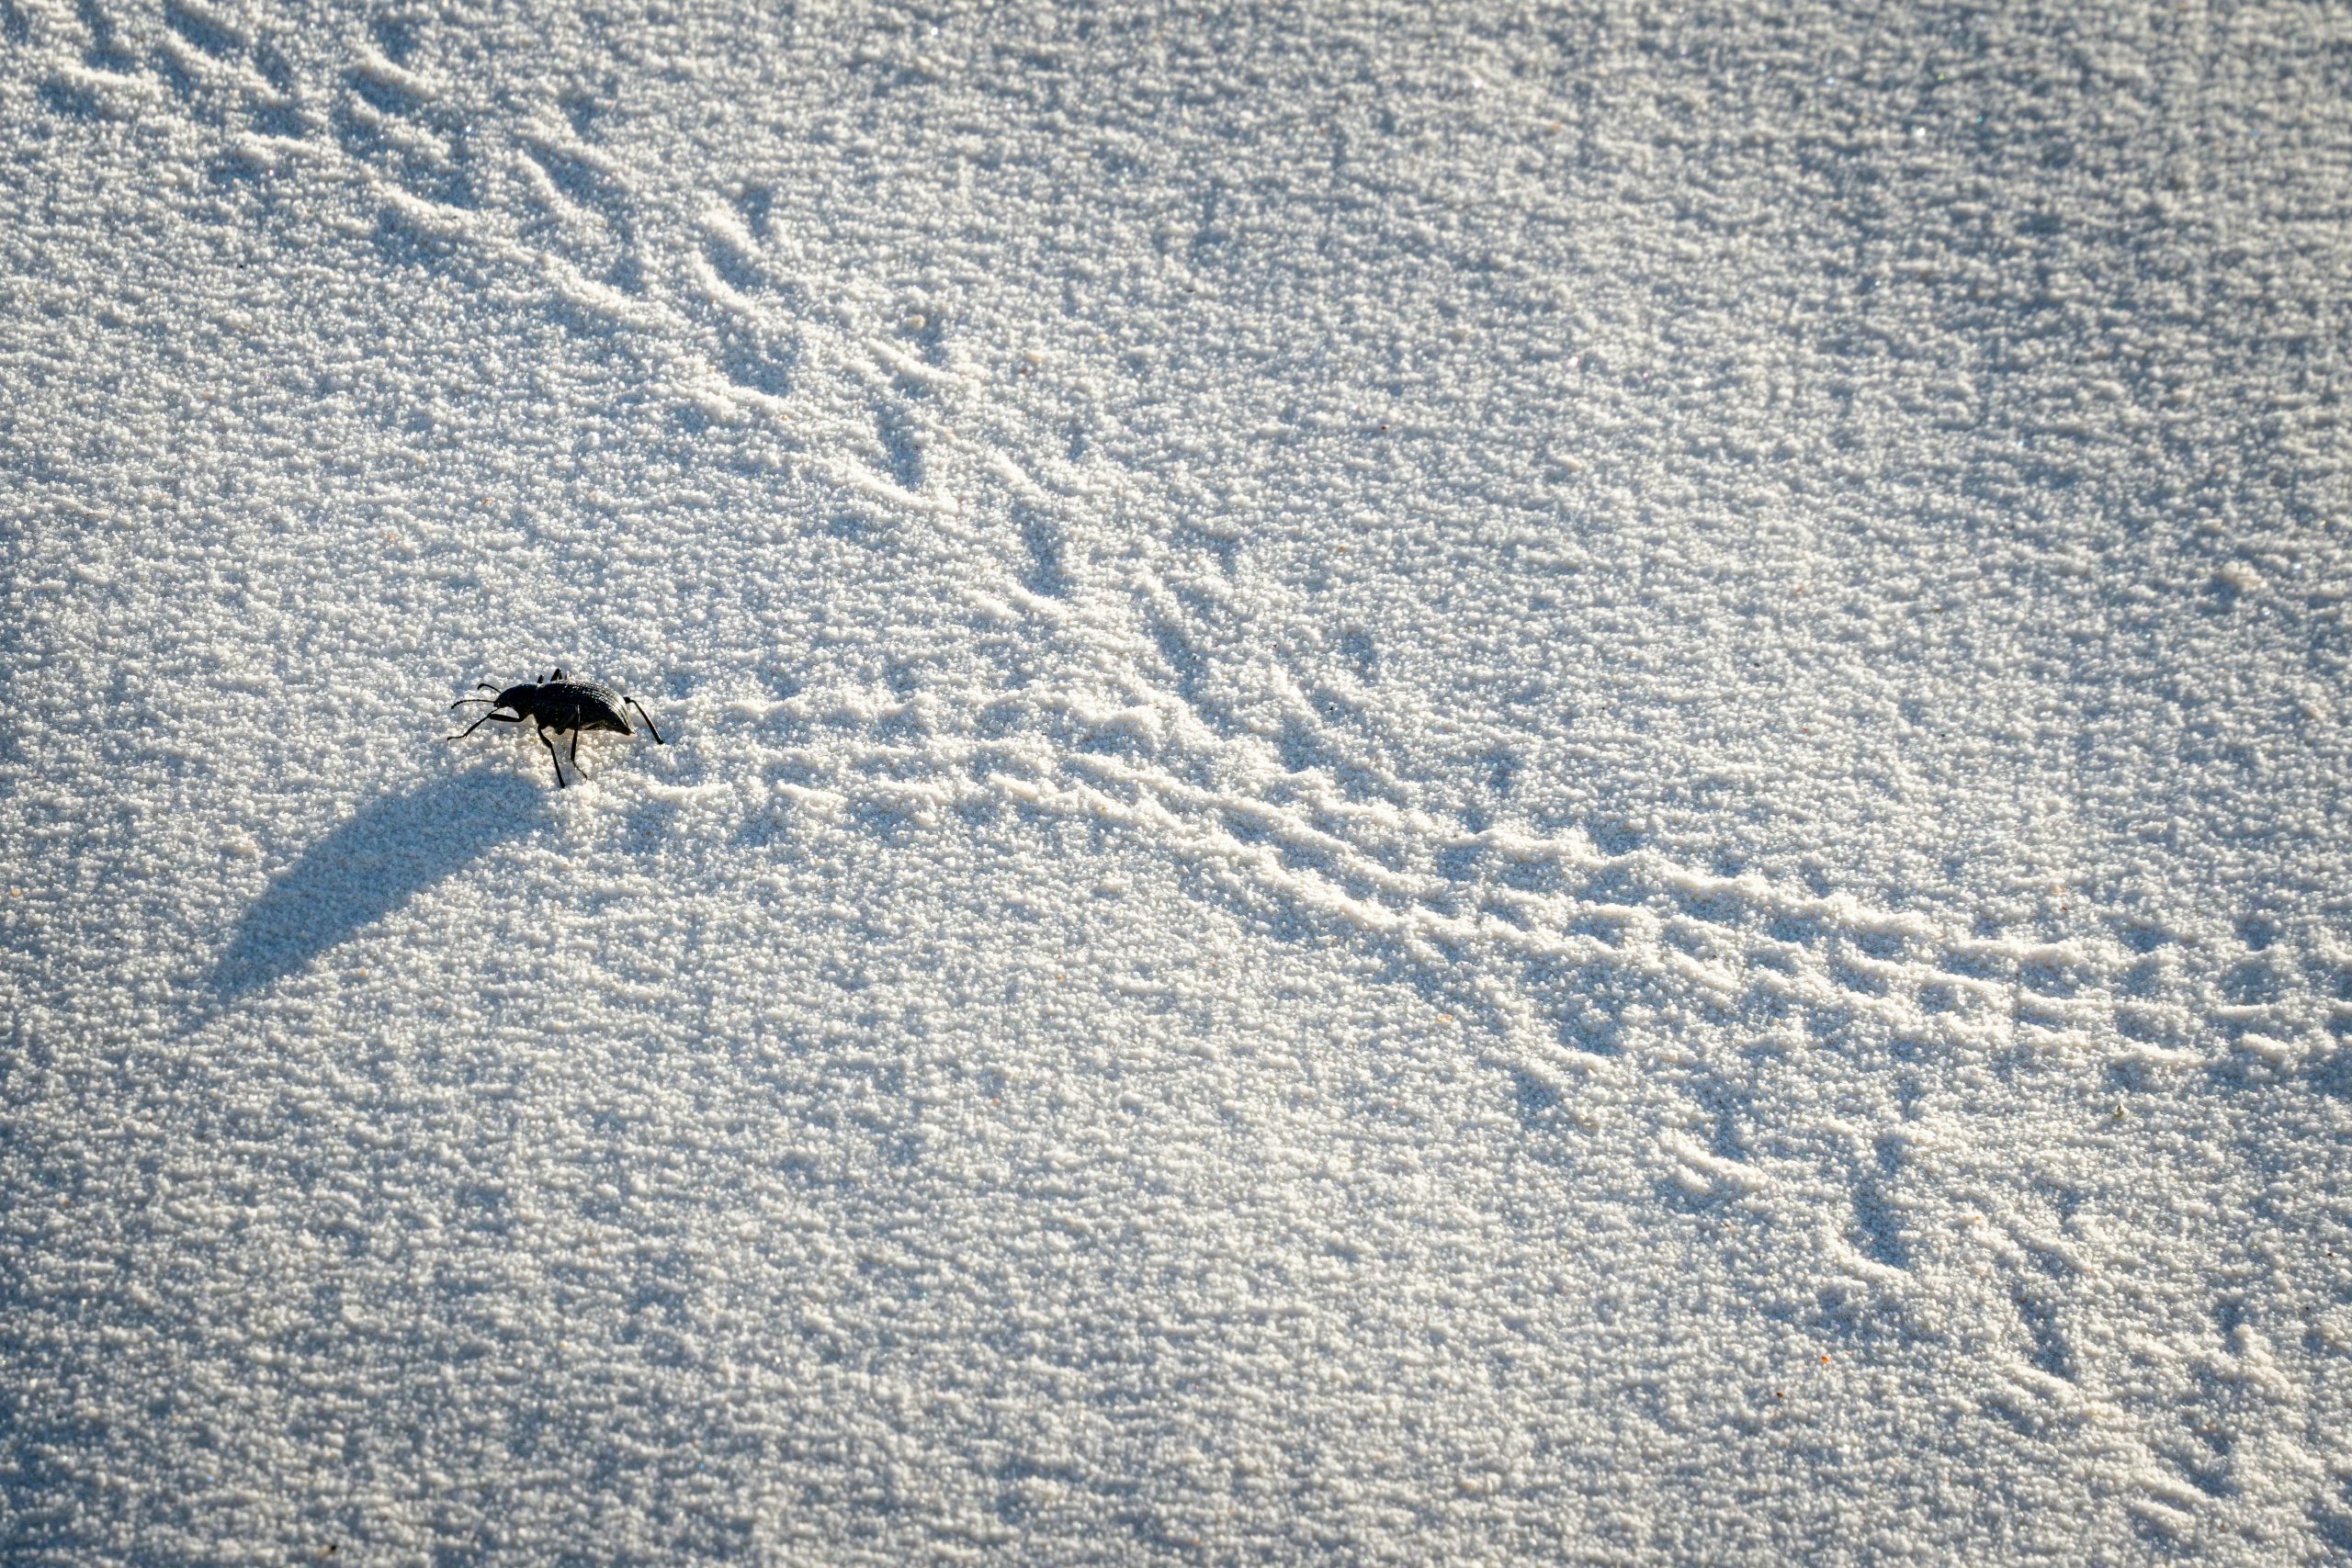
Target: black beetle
point(558, 703)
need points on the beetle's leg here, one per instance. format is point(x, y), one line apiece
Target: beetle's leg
point(648, 718)
point(480, 722)
point(551, 756)
point(575, 751)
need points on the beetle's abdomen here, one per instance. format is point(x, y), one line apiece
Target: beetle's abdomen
point(581, 705)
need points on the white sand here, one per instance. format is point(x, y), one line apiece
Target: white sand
point(1473, 787)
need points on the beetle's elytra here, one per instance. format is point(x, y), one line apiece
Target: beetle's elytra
point(558, 703)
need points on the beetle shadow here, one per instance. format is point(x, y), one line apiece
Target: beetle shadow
point(392, 849)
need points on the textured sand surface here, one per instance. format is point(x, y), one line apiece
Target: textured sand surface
point(1445, 784)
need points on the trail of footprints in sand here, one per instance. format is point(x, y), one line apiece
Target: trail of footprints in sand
point(1440, 892)
point(1511, 926)
point(735, 334)
point(532, 202)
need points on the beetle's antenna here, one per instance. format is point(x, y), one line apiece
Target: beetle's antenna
point(647, 718)
point(478, 722)
point(461, 702)
point(484, 686)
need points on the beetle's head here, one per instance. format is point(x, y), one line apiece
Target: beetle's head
point(518, 697)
